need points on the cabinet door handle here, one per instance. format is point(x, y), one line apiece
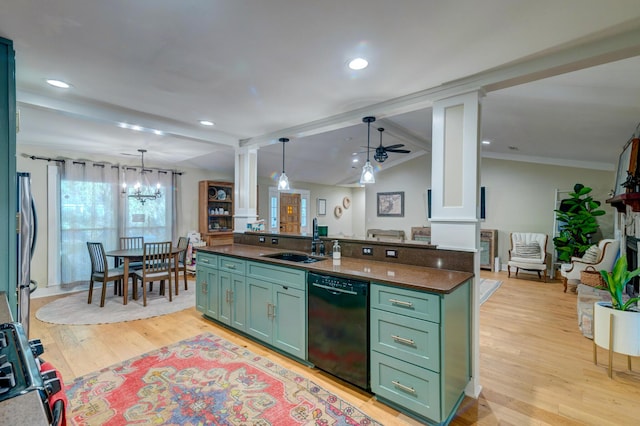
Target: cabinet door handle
point(404, 387)
point(403, 340)
point(230, 266)
point(401, 303)
point(204, 260)
point(204, 287)
point(230, 296)
point(269, 305)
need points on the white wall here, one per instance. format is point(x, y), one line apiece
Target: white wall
point(343, 226)
point(520, 196)
point(187, 211)
point(414, 178)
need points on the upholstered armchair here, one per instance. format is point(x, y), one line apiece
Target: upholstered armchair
point(604, 260)
point(529, 252)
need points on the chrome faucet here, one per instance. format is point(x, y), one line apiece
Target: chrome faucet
point(316, 243)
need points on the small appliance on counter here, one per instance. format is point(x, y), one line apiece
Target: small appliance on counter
point(31, 390)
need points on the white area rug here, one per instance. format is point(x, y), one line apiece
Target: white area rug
point(74, 309)
point(487, 288)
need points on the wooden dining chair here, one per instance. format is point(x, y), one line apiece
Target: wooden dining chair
point(101, 272)
point(156, 266)
point(183, 244)
point(127, 243)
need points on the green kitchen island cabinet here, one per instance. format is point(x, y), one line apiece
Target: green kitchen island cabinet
point(232, 292)
point(277, 307)
point(207, 284)
point(420, 349)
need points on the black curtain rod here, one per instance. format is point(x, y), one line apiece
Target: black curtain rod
point(33, 157)
point(113, 166)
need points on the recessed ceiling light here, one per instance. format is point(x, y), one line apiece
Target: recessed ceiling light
point(358, 64)
point(158, 132)
point(206, 123)
point(355, 160)
point(58, 83)
point(136, 128)
point(486, 142)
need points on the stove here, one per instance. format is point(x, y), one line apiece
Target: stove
point(22, 371)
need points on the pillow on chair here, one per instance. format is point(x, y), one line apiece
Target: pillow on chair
point(527, 250)
point(591, 255)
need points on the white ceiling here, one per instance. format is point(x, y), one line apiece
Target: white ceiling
point(267, 69)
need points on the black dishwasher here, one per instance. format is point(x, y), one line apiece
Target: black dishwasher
point(338, 327)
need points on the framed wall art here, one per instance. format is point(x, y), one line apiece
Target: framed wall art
point(390, 204)
point(322, 207)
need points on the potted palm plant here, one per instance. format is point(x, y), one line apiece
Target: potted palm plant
point(616, 325)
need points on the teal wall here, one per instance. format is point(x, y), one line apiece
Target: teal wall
point(8, 173)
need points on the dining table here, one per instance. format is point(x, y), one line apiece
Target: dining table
point(135, 255)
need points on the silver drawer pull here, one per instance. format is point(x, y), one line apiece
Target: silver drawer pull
point(205, 260)
point(403, 387)
point(403, 340)
point(230, 266)
point(401, 303)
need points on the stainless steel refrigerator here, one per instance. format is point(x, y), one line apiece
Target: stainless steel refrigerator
point(27, 229)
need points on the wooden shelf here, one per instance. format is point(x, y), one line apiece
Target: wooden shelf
point(215, 228)
point(620, 202)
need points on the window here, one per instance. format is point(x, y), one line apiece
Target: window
point(93, 209)
point(273, 213)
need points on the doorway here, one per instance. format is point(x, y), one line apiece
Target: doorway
point(290, 213)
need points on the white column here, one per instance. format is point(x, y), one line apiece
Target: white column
point(455, 195)
point(246, 188)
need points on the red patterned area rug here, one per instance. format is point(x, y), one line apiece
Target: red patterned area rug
point(205, 380)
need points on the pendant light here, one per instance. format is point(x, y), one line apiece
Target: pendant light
point(283, 182)
point(367, 169)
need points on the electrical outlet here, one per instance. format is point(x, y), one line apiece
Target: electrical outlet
point(391, 253)
point(367, 251)
point(274, 241)
point(261, 239)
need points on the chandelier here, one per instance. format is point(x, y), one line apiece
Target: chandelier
point(142, 190)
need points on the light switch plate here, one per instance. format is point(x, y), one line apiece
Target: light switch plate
point(391, 253)
point(367, 251)
point(274, 241)
point(261, 239)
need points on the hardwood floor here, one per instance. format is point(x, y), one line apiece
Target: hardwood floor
point(535, 365)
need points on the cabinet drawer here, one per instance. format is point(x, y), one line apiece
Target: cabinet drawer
point(416, 304)
point(277, 274)
point(407, 385)
point(231, 264)
point(409, 339)
point(203, 258)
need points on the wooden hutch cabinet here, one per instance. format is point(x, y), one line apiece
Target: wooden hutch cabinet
point(215, 216)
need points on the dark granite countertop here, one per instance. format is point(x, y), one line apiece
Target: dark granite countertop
point(416, 277)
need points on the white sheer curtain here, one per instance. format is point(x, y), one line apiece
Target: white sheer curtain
point(94, 208)
point(89, 202)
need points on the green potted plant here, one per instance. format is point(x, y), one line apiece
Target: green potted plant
point(577, 218)
point(624, 334)
point(616, 282)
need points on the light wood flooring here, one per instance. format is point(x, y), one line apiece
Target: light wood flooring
point(536, 368)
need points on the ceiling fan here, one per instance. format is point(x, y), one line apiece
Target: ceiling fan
point(381, 151)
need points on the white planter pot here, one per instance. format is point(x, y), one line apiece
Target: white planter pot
point(626, 329)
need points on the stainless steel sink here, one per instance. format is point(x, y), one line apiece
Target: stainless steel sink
point(295, 257)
